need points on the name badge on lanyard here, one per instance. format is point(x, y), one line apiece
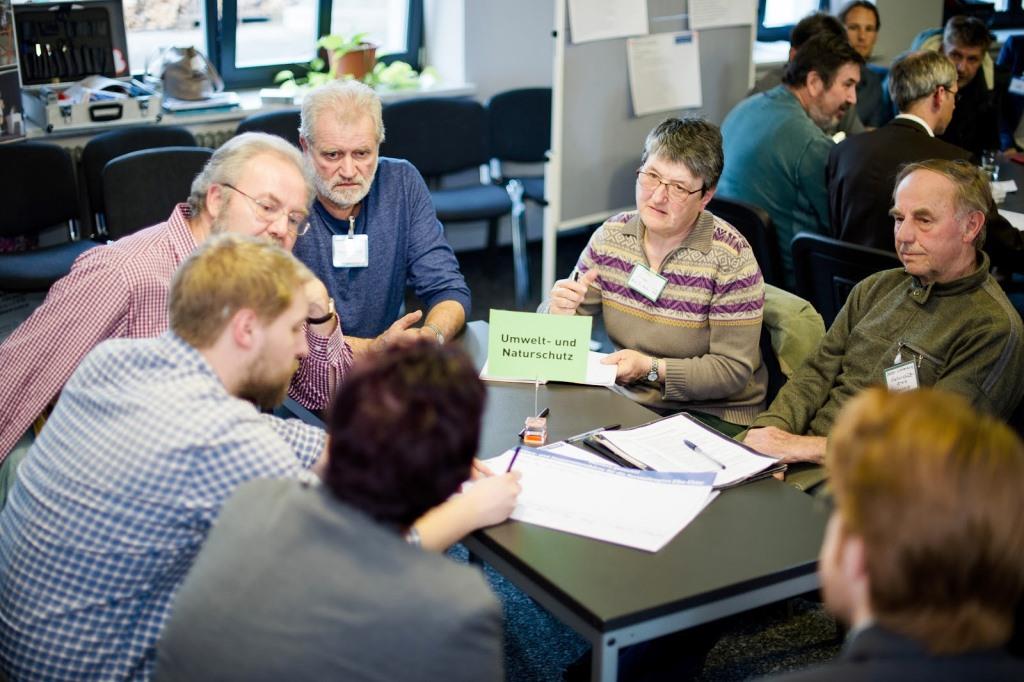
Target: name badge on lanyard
point(902, 376)
point(350, 250)
point(646, 283)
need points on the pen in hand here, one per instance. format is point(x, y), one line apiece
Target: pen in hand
point(513, 460)
point(693, 446)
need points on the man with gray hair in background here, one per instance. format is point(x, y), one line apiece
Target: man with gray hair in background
point(374, 229)
point(255, 184)
point(861, 169)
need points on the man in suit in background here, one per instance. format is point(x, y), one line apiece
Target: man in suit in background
point(924, 553)
point(861, 169)
point(980, 112)
point(775, 150)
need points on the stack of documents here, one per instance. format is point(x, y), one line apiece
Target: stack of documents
point(641, 509)
point(682, 444)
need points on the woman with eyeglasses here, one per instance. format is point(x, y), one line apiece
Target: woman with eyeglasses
point(680, 291)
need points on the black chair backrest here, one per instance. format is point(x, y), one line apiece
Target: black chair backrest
point(827, 269)
point(776, 377)
point(437, 135)
point(37, 188)
point(142, 188)
point(283, 123)
point(520, 125)
point(110, 145)
point(754, 223)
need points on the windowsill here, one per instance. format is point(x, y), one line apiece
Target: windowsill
point(771, 54)
point(251, 103)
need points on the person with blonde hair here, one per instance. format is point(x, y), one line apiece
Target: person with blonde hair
point(924, 553)
point(147, 441)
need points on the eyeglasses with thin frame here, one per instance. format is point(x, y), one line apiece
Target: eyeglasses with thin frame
point(650, 181)
point(298, 223)
point(950, 90)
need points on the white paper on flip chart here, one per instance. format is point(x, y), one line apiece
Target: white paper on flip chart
point(640, 509)
point(664, 72)
point(601, 19)
point(660, 446)
point(716, 13)
point(597, 374)
point(1014, 218)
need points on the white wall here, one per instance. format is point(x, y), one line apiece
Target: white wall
point(494, 44)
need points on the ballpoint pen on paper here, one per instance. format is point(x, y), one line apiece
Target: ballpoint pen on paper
point(693, 446)
point(587, 434)
point(513, 460)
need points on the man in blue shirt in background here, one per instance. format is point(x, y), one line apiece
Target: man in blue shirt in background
point(373, 228)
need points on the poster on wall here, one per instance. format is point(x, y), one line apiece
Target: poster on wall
point(12, 122)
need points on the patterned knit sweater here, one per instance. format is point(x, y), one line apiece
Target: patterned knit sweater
point(706, 323)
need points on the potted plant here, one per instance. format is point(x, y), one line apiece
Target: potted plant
point(353, 56)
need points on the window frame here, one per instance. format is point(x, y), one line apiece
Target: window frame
point(221, 41)
point(777, 33)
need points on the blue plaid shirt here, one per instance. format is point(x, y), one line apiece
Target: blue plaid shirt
point(114, 500)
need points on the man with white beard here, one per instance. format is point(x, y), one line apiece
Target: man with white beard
point(373, 228)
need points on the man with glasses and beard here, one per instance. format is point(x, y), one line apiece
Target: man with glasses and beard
point(254, 184)
point(374, 229)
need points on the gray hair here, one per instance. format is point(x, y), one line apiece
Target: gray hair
point(347, 100)
point(230, 160)
point(972, 188)
point(691, 141)
point(914, 75)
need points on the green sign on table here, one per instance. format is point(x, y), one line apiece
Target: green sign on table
point(538, 346)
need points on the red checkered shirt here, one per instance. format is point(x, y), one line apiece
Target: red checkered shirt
point(120, 290)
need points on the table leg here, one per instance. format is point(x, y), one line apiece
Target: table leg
point(605, 661)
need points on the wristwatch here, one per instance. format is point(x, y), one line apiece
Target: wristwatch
point(330, 314)
point(653, 374)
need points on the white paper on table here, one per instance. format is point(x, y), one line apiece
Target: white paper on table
point(664, 72)
point(1014, 218)
point(597, 374)
point(601, 19)
point(1004, 186)
point(640, 509)
point(660, 446)
point(579, 454)
point(716, 13)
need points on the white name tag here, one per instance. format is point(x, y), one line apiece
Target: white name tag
point(902, 376)
point(350, 251)
point(647, 283)
point(1017, 86)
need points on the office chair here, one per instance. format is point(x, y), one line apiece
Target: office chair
point(142, 188)
point(38, 191)
point(520, 132)
point(110, 145)
point(754, 223)
point(827, 269)
point(283, 123)
point(442, 136)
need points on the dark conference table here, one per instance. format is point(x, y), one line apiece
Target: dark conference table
point(754, 545)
